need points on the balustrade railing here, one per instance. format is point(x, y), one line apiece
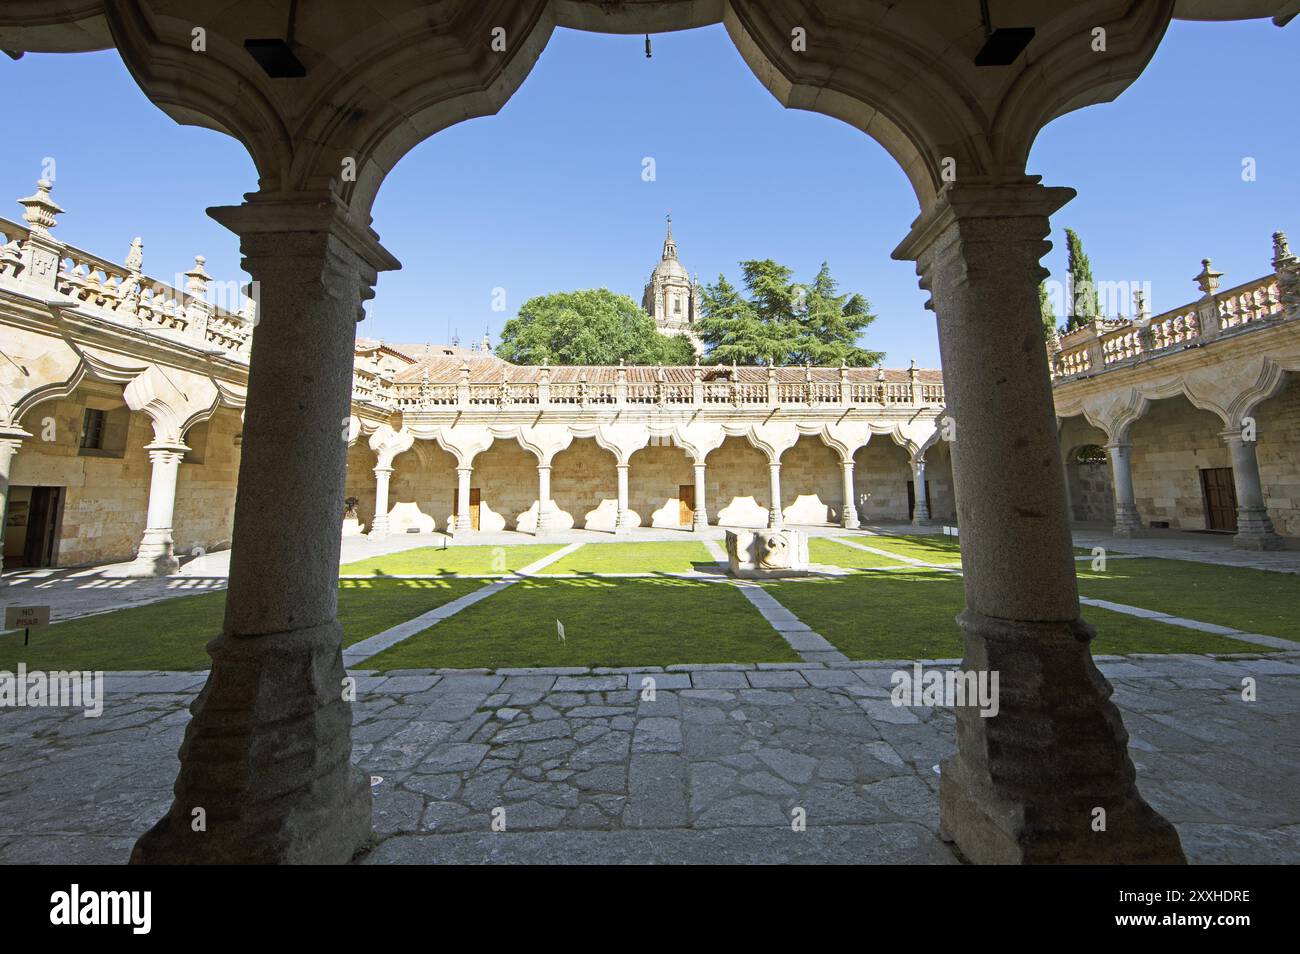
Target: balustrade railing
point(1107, 344)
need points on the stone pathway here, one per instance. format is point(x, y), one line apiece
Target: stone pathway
point(583, 766)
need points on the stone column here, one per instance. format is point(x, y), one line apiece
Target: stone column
point(464, 519)
point(1025, 784)
point(156, 555)
point(1127, 521)
point(920, 507)
point(267, 754)
point(10, 441)
point(700, 520)
point(1254, 528)
point(379, 526)
point(775, 519)
point(849, 517)
point(543, 499)
point(623, 521)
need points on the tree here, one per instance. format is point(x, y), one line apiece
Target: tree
point(592, 326)
point(1046, 311)
point(1081, 306)
point(783, 321)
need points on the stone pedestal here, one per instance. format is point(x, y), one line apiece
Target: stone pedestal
point(767, 554)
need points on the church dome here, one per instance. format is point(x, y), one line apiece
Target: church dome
point(669, 268)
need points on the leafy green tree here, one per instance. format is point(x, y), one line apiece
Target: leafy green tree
point(592, 326)
point(783, 321)
point(1046, 311)
point(1081, 308)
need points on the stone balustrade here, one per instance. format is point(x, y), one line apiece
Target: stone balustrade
point(1118, 342)
point(34, 263)
point(436, 395)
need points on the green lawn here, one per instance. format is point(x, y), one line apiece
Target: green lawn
point(450, 561)
point(172, 634)
point(822, 550)
point(609, 622)
point(1254, 601)
point(932, 548)
point(678, 556)
point(908, 615)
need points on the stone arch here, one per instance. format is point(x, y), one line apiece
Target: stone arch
point(1088, 482)
point(737, 483)
point(584, 485)
point(1172, 443)
point(370, 95)
point(657, 474)
point(811, 482)
point(881, 471)
point(421, 488)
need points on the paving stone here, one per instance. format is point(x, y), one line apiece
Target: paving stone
point(710, 679)
point(777, 679)
point(657, 734)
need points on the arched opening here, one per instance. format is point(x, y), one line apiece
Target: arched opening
point(811, 485)
point(1088, 478)
point(881, 478)
point(584, 486)
point(1182, 470)
point(737, 478)
point(422, 489)
point(506, 474)
point(661, 486)
point(1278, 447)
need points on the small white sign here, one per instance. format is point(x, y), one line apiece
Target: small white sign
point(23, 617)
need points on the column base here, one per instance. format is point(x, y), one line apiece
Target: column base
point(850, 521)
point(622, 524)
point(1025, 783)
point(1258, 541)
point(775, 520)
point(155, 557)
point(463, 527)
point(267, 756)
point(921, 520)
point(700, 524)
point(1128, 531)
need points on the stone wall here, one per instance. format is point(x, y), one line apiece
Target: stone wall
point(106, 493)
point(812, 487)
point(422, 488)
point(1172, 443)
point(1277, 424)
point(880, 475)
point(361, 481)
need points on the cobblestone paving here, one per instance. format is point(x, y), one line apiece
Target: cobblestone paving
point(710, 770)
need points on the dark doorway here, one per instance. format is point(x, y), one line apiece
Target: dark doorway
point(43, 526)
point(1220, 499)
point(911, 499)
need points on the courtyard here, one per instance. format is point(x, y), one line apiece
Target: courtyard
point(628, 701)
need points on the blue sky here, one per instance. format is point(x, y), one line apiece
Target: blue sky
point(548, 194)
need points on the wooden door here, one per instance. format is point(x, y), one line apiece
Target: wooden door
point(474, 500)
point(43, 526)
point(686, 504)
point(1220, 495)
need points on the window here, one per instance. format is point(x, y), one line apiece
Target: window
point(92, 430)
point(677, 306)
point(1090, 454)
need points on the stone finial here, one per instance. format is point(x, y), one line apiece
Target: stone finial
point(912, 371)
point(1208, 279)
point(1282, 257)
point(135, 256)
point(659, 372)
point(196, 279)
point(1141, 313)
point(39, 210)
point(771, 371)
point(880, 374)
